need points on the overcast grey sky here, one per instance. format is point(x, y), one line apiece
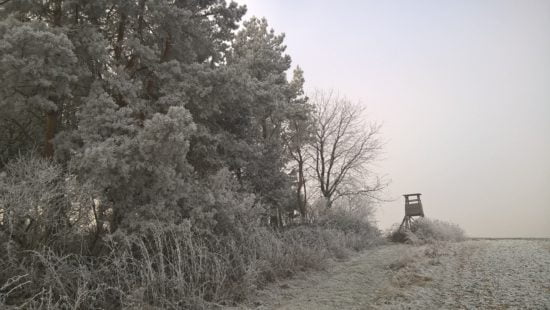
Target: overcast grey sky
point(463, 91)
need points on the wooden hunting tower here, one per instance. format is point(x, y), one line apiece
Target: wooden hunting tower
point(413, 207)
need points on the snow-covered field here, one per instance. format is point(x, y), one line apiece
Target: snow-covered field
point(476, 274)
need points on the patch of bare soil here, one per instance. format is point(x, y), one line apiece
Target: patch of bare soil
point(487, 274)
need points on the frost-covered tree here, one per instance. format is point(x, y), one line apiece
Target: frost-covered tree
point(273, 103)
point(142, 143)
point(345, 146)
point(139, 168)
point(38, 73)
point(141, 99)
point(107, 88)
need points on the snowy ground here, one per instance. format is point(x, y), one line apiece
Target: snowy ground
point(481, 274)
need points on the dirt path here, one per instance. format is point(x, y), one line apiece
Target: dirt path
point(487, 274)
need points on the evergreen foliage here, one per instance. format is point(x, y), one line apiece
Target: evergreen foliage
point(137, 133)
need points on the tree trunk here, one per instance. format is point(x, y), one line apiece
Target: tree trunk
point(141, 19)
point(52, 116)
point(58, 13)
point(120, 37)
point(51, 128)
point(167, 52)
point(301, 199)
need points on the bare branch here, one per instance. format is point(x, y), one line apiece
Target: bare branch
point(345, 146)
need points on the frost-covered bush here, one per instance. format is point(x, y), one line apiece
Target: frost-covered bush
point(39, 204)
point(355, 223)
point(281, 254)
point(426, 230)
point(168, 267)
point(347, 221)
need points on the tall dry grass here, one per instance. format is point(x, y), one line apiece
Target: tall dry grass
point(169, 267)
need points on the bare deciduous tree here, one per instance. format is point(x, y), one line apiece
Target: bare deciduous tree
point(345, 146)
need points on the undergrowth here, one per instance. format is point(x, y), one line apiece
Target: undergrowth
point(170, 267)
point(58, 250)
point(425, 230)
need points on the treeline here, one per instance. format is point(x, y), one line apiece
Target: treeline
point(152, 152)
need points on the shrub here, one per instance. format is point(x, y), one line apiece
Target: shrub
point(426, 230)
point(358, 232)
point(53, 254)
point(281, 254)
point(396, 235)
point(31, 201)
point(40, 205)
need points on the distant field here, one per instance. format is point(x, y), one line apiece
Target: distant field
point(497, 239)
point(481, 273)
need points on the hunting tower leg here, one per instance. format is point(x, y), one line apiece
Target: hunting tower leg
point(413, 207)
